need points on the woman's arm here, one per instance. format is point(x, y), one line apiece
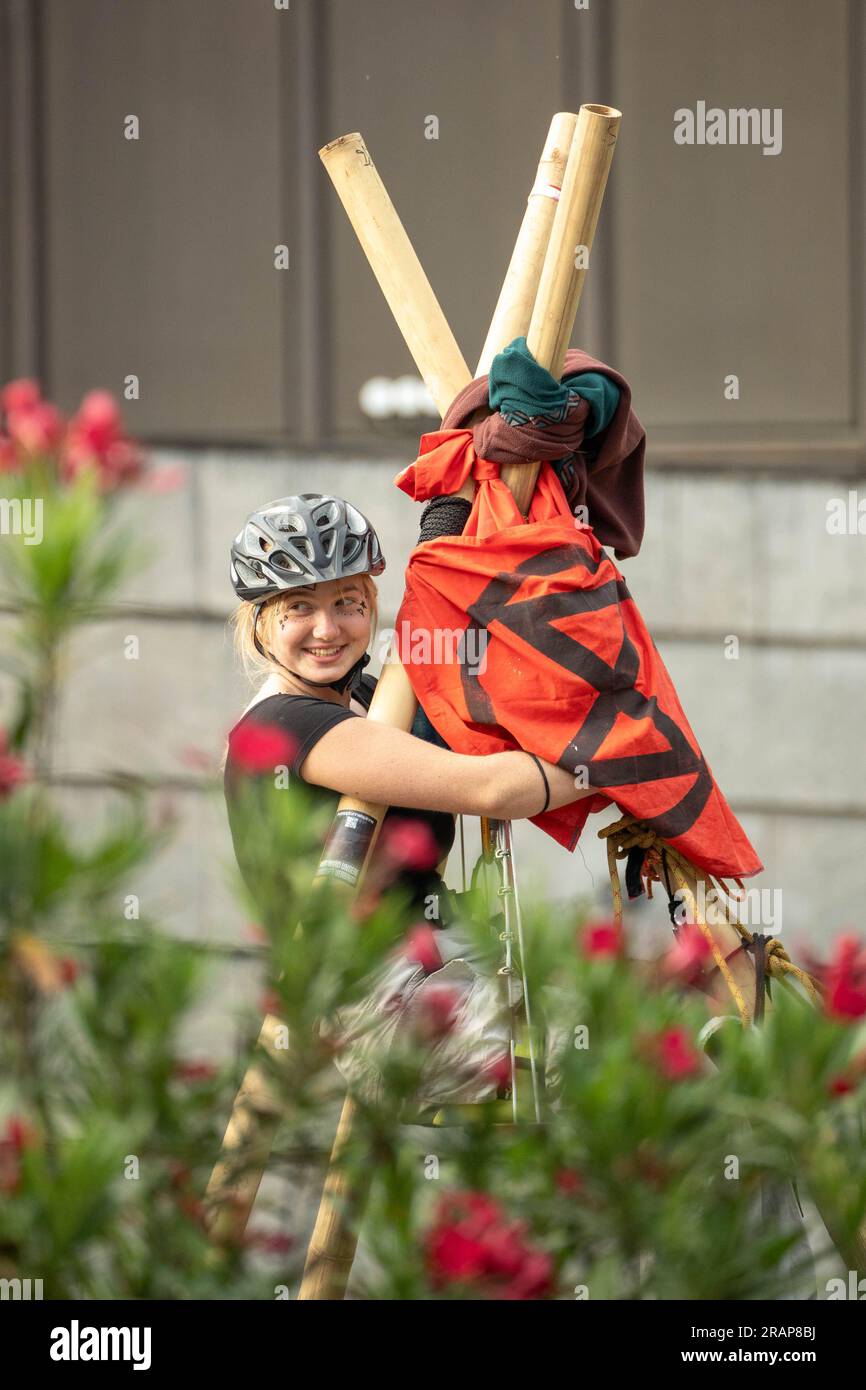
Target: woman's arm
point(389, 767)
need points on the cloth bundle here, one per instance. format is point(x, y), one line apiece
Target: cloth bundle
point(551, 653)
point(583, 425)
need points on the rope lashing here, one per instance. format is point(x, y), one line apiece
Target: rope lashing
point(444, 516)
point(658, 861)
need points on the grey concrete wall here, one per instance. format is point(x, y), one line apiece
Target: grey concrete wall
point(724, 557)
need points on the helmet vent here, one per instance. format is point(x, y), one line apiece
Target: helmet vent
point(281, 561)
point(302, 546)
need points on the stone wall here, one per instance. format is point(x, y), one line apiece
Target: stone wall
point(725, 557)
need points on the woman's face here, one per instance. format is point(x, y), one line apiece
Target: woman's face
point(321, 630)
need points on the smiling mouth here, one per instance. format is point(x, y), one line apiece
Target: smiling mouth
point(324, 653)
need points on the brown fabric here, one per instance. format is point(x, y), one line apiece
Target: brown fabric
point(606, 473)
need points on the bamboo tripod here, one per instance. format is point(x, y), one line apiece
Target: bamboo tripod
point(539, 298)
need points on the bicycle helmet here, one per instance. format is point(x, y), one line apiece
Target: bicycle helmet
point(307, 538)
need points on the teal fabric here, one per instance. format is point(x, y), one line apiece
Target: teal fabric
point(521, 391)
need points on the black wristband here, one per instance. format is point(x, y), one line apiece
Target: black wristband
point(546, 784)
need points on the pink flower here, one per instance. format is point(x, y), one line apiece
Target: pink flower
point(9, 458)
point(844, 979)
point(685, 960)
point(437, 1012)
point(499, 1072)
point(12, 770)
point(166, 478)
point(675, 1056)
point(38, 429)
point(421, 946)
point(600, 939)
point(22, 394)
point(98, 421)
point(261, 747)
point(95, 442)
point(409, 844)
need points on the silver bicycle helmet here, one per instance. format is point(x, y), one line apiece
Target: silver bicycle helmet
point(303, 539)
point(307, 538)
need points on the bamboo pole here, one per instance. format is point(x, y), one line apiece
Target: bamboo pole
point(331, 1250)
point(567, 258)
point(394, 263)
point(252, 1126)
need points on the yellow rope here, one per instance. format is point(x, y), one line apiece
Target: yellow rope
point(629, 833)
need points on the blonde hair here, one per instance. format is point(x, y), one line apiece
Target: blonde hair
point(242, 621)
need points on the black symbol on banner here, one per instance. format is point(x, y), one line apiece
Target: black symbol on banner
point(532, 620)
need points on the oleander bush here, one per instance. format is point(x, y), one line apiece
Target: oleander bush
point(668, 1149)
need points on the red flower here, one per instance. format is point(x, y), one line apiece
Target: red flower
point(69, 969)
point(452, 1255)
point(500, 1072)
point(844, 979)
point(12, 770)
point(17, 1136)
point(261, 747)
point(472, 1243)
point(436, 1012)
point(685, 960)
point(675, 1056)
point(409, 844)
point(22, 394)
point(568, 1180)
point(600, 939)
point(845, 1082)
point(270, 1002)
point(841, 1085)
point(421, 946)
point(95, 442)
point(194, 1071)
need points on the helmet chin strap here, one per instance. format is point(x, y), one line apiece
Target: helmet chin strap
point(349, 679)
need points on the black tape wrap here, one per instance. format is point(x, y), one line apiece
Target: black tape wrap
point(444, 516)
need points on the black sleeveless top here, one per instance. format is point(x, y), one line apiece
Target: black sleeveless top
point(254, 819)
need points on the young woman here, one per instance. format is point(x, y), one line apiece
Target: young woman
point(303, 568)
